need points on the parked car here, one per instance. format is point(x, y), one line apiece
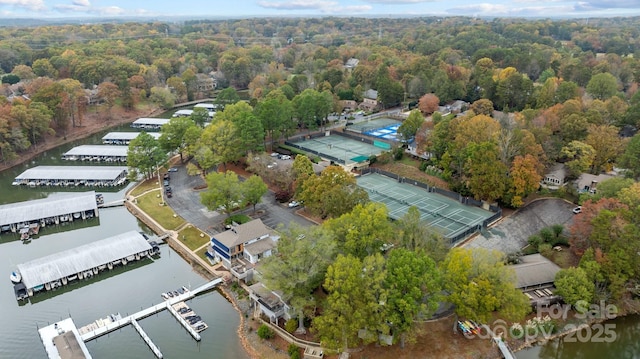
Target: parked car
point(293, 204)
point(577, 210)
point(165, 182)
point(285, 157)
point(165, 176)
point(274, 154)
point(173, 169)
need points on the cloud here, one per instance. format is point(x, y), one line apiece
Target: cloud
point(34, 5)
point(85, 3)
point(320, 5)
point(607, 4)
point(398, 2)
point(485, 9)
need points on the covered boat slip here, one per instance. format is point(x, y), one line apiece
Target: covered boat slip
point(123, 138)
point(84, 261)
point(97, 153)
point(54, 209)
point(98, 176)
point(147, 123)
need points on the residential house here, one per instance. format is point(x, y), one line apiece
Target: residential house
point(268, 302)
point(556, 176)
point(351, 63)
point(205, 82)
point(370, 100)
point(242, 246)
point(588, 182)
point(348, 105)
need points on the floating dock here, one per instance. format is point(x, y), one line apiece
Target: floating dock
point(48, 211)
point(58, 269)
point(146, 339)
point(182, 313)
point(73, 176)
point(147, 123)
point(113, 322)
point(123, 138)
point(97, 153)
point(62, 341)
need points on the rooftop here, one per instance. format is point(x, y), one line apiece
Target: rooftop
point(534, 270)
point(260, 246)
point(47, 207)
point(242, 233)
point(98, 150)
point(62, 264)
point(72, 173)
point(266, 296)
point(151, 121)
point(112, 136)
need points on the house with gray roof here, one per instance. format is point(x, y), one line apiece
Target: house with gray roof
point(242, 246)
point(535, 275)
point(556, 176)
point(268, 302)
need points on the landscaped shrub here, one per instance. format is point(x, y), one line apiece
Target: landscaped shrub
point(238, 218)
point(292, 349)
point(291, 325)
point(264, 332)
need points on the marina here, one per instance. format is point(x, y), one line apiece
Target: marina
point(96, 153)
point(73, 176)
point(47, 211)
point(149, 123)
point(100, 327)
point(123, 138)
point(56, 270)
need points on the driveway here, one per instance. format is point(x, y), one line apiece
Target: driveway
point(511, 233)
point(186, 203)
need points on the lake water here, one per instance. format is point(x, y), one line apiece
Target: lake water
point(125, 291)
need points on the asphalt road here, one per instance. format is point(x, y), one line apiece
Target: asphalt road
point(185, 201)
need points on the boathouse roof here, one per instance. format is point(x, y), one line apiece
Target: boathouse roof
point(69, 173)
point(534, 270)
point(98, 150)
point(126, 136)
point(72, 261)
point(151, 121)
point(38, 209)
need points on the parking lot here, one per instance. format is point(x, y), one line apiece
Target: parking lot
point(185, 201)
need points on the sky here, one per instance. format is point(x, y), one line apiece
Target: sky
point(274, 8)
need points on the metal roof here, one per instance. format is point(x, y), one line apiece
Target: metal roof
point(534, 270)
point(114, 136)
point(47, 207)
point(72, 261)
point(151, 121)
point(99, 173)
point(98, 150)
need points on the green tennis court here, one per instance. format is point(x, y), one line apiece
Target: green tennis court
point(340, 148)
point(446, 215)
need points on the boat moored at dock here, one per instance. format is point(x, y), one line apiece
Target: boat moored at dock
point(73, 176)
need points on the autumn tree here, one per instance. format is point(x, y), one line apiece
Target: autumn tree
point(484, 172)
point(579, 157)
point(109, 93)
point(415, 235)
point(482, 107)
point(428, 104)
point(332, 193)
point(76, 104)
point(479, 283)
point(606, 144)
point(525, 175)
point(163, 97)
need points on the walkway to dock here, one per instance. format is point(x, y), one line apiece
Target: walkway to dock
point(504, 348)
point(146, 339)
point(90, 335)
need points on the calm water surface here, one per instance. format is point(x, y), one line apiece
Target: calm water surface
point(125, 291)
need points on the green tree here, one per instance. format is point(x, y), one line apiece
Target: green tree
point(275, 113)
point(479, 283)
point(573, 285)
point(579, 156)
point(163, 97)
point(331, 194)
point(299, 266)
point(227, 96)
point(224, 192)
point(606, 144)
point(363, 231)
point(145, 155)
point(12, 141)
point(413, 234)
point(249, 133)
point(602, 86)
point(630, 159)
point(34, 118)
point(200, 116)
point(253, 188)
point(172, 135)
point(410, 126)
point(302, 169)
point(220, 139)
point(413, 284)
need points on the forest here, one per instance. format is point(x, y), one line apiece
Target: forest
point(539, 92)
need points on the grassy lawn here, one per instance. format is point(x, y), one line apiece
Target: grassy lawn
point(145, 186)
point(191, 237)
point(201, 254)
point(164, 215)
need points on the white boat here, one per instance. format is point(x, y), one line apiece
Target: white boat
point(15, 277)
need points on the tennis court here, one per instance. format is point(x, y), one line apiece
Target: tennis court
point(339, 148)
point(446, 215)
point(383, 127)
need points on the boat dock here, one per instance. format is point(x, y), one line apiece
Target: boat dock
point(149, 123)
point(506, 351)
point(62, 341)
point(85, 261)
point(48, 211)
point(97, 153)
point(183, 314)
point(73, 176)
point(107, 325)
point(116, 203)
point(123, 138)
point(146, 339)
